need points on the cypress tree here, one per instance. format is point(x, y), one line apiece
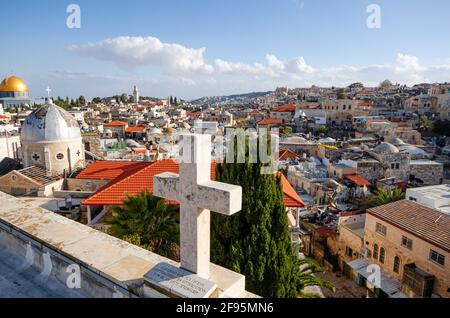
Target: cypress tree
point(256, 241)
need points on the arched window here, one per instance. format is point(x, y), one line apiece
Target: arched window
point(382, 255)
point(396, 264)
point(375, 251)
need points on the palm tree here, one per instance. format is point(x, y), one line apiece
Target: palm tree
point(145, 220)
point(307, 278)
point(424, 124)
point(382, 197)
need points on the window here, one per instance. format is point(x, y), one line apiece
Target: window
point(381, 229)
point(392, 165)
point(397, 166)
point(344, 107)
point(59, 156)
point(348, 251)
point(437, 258)
point(375, 251)
point(382, 255)
point(406, 242)
point(396, 264)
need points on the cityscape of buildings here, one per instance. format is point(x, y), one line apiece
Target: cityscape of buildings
point(364, 173)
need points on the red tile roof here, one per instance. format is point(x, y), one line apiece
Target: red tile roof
point(4, 116)
point(290, 197)
point(139, 151)
point(288, 108)
point(132, 178)
point(425, 223)
point(286, 154)
point(108, 170)
point(116, 123)
point(270, 121)
point(137, 129)
point(359, 181)
point(133, 182)
point(194, 114)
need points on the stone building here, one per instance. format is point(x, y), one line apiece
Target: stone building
point(414, 253)
point(394, 163)
point(426, 172)
point(51, 139)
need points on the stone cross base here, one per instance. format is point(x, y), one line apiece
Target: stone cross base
point(169, 281)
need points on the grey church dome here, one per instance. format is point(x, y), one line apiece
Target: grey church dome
point(386, 147)
point(49, 123)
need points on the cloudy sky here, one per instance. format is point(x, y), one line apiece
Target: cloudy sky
point(193, 48)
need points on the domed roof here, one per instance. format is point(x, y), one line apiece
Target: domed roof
point(398, 142)
point(386, 147)
point(49, 123)
point(13, 84)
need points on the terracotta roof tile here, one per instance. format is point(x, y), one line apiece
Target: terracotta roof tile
point(134, 177)
point(289, 108)
point(270, 121)
point(138, 129)
point(286, 154)
point(108, 170)
point(115, 123)
point(358, 180)
point(134, 181)
point(290, 197)
point(416, 219)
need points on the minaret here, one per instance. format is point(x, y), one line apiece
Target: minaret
point(135, 95)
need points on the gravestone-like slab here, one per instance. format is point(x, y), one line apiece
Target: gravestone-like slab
point(177, 282)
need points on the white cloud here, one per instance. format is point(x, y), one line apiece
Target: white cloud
point(408, 62)
point(274, 63)
point(296, 72)
point(238, 68)
point(274, 67)
point(132, 52)
point(186, 69)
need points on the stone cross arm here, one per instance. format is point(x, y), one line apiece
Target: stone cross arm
point(216, 196)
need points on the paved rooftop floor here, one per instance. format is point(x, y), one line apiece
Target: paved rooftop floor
point(19, 282)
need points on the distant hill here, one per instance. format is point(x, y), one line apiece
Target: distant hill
point(229, 98)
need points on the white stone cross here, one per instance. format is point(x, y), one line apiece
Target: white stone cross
point(48, 90)
point(197, 195)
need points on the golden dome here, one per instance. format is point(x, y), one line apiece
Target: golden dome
point(13, 84)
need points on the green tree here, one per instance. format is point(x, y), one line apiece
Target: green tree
point(323, 130)
point(382, 197)
point(124, 98)
point(309, 267)
point(424, 124)
point(81, 101)
point(285, 131)
point(256, 241)
point(145, 220)
point(442, 127)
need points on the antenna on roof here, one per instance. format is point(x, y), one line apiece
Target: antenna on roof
point(437, 220)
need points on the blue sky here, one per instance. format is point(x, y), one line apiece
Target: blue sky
point(193, 48)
